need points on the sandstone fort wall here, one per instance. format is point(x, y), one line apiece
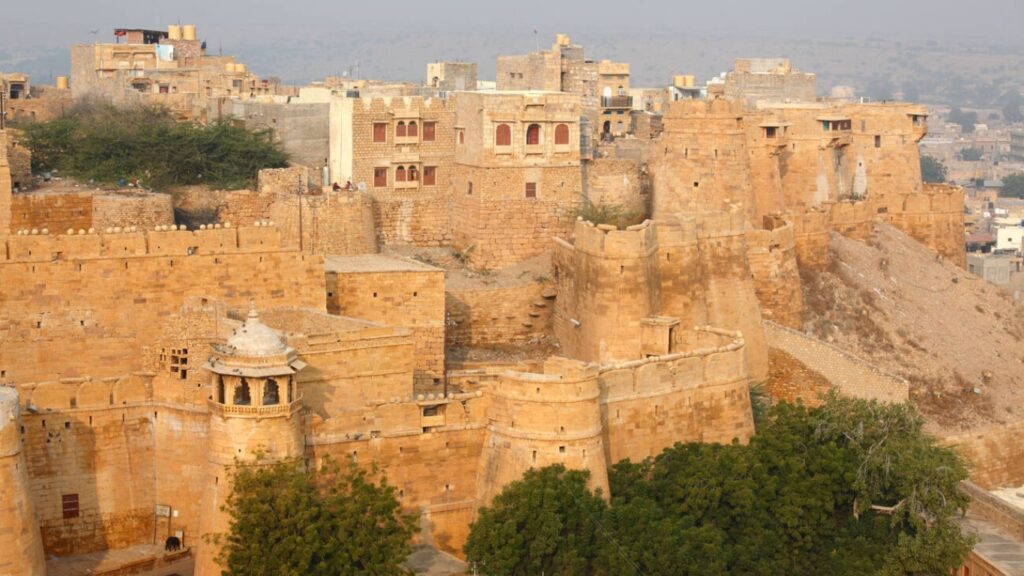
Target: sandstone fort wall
point(498, 317)
point(67, 314)
point(772, 256)
point(22, 552)
point(399, 297)
point(995, 455)
point(850, 375)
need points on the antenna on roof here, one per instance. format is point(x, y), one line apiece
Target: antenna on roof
point(536, 39)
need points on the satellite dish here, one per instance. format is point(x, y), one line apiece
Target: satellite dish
point(361, 186)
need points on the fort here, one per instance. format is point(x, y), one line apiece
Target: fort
point(427, 288)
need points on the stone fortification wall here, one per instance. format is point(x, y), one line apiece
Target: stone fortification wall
point(87, 304)
point(330, 223)
point(607, 282)
point(82, 437)
point(429, 447)
point(995, 510)
point(497, 226)
point(699, 395)
point(995, 455)
point(21, 547)
point(498, 316)
point(933, 217)
point(850, 375)
point(706, 278)
point(59, 211)
point(5, 186)
point(612, 284)
point(701, 162)
point(615, 181)
point(771, 253)
point(398, 292)
point(540, 419)
point(778, 85)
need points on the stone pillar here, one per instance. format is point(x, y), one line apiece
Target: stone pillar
point(21, 544)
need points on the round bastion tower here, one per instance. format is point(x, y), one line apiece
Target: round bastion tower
point(21, 544)
point(255, 416)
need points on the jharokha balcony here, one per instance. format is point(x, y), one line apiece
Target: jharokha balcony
point(617, 102)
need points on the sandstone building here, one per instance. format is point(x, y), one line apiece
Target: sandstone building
point(138, 353)
point(168, 67)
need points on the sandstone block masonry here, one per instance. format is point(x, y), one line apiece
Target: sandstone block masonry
point(5, 186)
point(624, 294)
point(396, 291)
point(517, 174)
point(86, 304)
point(63, 208)
point(851, 375)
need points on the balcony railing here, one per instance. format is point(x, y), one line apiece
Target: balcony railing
point(255, 411)
point(617, 102)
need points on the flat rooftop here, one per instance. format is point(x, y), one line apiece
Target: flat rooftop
point(364, 263)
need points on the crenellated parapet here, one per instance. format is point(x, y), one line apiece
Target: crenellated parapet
point(608, 283)
point(44, 246)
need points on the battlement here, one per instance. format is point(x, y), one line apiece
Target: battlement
point(401, 105)
point(764, 240)
point(41, 246)
point(607, 241)
point(682, 110)
point(684, 229)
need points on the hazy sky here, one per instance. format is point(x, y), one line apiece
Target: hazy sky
point(51, 20)
point(299, 33)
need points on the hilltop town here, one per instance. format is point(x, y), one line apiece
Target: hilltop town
point(457, 280)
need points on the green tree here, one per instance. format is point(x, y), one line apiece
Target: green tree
point(105, 143)
point(546, 523)
point(1013, 186)
point(851, 487)
point(933, 170)
point(1012, 102)
point(966, 120)
point(970, 154)
point(285, 521)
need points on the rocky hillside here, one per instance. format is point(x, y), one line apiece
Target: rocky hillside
point(957, 339)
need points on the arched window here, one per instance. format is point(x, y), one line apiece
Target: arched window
point(533, 135)
point(562, 134)
point(622, 91)
point(400, 130)
point(400, 174)
point(413, 130)
point(242, 396)
point(270, 392)
point(220, 389)
point(503, 135)
point(414, 174)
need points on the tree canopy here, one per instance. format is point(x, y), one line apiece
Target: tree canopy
point(1013, 186)
point(966, 120)
point(105, 143)
point(332, 522)
point(933, 170)
point(852, 487)
point(546, 523)
point(970, 154)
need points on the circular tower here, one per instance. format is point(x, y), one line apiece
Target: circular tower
point(21, 544)
point(254, 417)
point(539, 419)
